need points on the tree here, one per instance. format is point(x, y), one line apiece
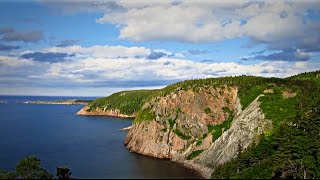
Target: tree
point(27, 168)
point(63, 173)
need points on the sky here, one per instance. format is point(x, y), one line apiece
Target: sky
point(96, 48)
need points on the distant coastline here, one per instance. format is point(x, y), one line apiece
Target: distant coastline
point(65, 102)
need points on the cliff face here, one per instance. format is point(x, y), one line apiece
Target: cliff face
point(194, 127)
point(100, 112)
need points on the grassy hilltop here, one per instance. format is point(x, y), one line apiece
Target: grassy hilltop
point(127, 102)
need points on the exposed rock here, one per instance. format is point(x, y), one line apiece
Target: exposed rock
point(126, 128)
point(147, 138)
point(99, 112)
point(244, 129)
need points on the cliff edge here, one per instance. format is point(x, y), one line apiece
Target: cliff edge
point(99, 112)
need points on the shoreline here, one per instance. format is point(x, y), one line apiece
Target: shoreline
point(202, 171)
point(98, 112)
point(64, 102)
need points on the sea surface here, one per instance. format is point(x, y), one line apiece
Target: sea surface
point(91, 146)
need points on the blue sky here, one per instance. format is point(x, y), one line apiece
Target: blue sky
point(94, 48)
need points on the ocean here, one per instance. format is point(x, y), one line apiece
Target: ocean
point(91, 146)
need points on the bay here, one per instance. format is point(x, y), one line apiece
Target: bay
point(91, 146)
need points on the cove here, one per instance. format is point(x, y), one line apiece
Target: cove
point(91, 146)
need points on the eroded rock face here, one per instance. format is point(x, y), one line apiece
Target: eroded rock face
point(99, 112)
point(242, 133)
point(181, 127)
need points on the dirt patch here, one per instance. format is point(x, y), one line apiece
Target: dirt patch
point(288, 94)
point(268, 91)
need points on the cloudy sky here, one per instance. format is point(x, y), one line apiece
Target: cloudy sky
point(94, 48)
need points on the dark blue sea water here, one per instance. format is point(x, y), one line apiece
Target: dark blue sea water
point(91, 146)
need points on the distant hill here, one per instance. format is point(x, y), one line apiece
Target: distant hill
point(313, 76)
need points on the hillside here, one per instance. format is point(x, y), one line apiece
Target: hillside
point(121, 104)
point(242, 127)
point(313, 76)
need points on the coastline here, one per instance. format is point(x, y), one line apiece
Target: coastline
point(203, 171)
point(66, 102)
point(99, 112)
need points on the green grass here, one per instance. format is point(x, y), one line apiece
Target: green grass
point(207, 110)
point(216, 130)
point(312, 76)
point(277, 108)
point(127, 102)
point(181, 135)
point(145, 115)
point(171, 122)
point(194, 154)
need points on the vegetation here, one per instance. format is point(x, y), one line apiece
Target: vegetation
point(194, 154)
point(207, 110)
point(171, 122)
point(217, 130)
point(145, 115)
point(181, 135)
point(292, 148)
point(29, 168)
point(291, 152)
point(312, 76)
point(127, 102)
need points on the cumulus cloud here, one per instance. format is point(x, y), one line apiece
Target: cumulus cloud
point(9, 34)
point(130, 72)
point(51, 68)
point(280, 25)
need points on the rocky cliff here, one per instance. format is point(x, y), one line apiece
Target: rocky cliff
point(197, 128)
point(103, 112)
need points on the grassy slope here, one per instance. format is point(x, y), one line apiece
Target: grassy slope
point(313, 76)
point(128, 102)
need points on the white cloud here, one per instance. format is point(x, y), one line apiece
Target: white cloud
point(95, 71)
point(273, 22)
point(102, 72)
